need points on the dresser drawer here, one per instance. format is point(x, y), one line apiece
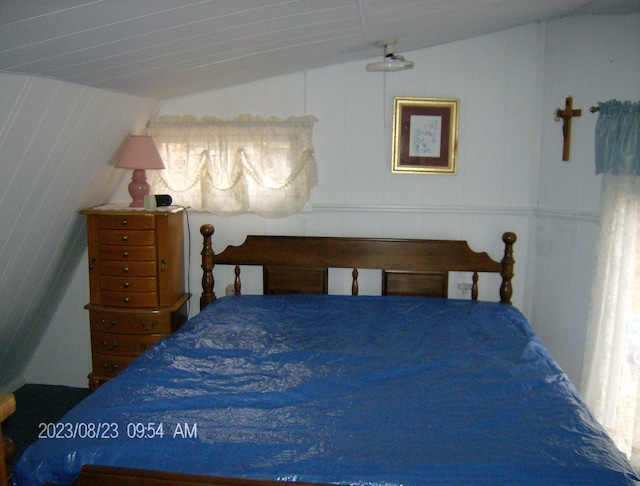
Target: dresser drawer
point(122, 344)
point(133, 221)
point(131, 284)
point(126, 236)
point(133, 268)
point(127, 253)
point(131, 323)
point(109, 365)
point(130, 299)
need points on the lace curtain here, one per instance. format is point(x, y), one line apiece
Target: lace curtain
point(228, 167)
point(611, 375)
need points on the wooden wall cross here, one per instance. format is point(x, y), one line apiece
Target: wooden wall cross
point(566, 115)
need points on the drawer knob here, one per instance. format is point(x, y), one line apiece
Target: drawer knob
point(143, 346)
point(126, 285)
point(126, 300)
point(144, 326)
point(124, 238)
point(106, 324)
point(125, 254)
point(123, 221)
point(125, 269)
point(108, 347)
point(110, 368)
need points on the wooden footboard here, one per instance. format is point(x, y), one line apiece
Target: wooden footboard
point(294, 264)
point(114, 476)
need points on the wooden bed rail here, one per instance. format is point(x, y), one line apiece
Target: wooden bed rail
point(293, 264)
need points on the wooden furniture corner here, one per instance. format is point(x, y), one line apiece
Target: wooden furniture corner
point(7, 407)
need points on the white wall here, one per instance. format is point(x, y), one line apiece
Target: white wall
point(64, 354)
point(592, 58)
point(509, 83)
point(495, 77)
point(57, 140)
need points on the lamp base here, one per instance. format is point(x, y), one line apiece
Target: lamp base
point(138, 188)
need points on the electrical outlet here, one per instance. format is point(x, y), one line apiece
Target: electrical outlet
point(464, 288)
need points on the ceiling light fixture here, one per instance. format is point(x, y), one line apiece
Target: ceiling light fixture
point(391, 61)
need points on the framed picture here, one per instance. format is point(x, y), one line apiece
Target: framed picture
point(425, 135)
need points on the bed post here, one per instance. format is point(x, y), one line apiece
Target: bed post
point(237, 284)
point(507, 267)
point(208, 295)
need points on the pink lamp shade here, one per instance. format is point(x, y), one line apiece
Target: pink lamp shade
point(139, 153)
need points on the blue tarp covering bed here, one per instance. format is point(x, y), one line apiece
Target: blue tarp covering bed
point(341, 389)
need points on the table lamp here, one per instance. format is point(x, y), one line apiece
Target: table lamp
point(139, 153)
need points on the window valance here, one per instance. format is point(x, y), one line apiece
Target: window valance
point(618, 138)
point(227, 167)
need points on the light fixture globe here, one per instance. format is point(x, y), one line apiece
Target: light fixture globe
point(391, 61)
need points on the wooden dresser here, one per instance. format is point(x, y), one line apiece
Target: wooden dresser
point(136, 283)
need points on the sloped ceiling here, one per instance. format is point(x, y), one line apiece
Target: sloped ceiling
point(168, 48)
point(57, 144)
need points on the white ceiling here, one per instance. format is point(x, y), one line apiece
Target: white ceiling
point(169, 48)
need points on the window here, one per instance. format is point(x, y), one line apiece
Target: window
point(611, 378)
point(228, 167)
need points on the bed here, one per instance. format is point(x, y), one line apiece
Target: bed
point(409, 387)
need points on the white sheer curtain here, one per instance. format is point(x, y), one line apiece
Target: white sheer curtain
point(611, 375)
point(227, 167)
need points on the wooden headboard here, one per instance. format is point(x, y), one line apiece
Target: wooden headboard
point(299, 264)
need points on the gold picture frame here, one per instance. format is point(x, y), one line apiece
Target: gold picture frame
point(425, 135)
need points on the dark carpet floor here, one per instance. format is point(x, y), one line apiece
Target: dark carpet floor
point(36, 404)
